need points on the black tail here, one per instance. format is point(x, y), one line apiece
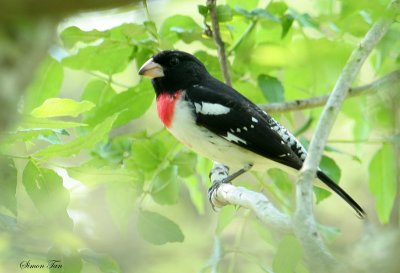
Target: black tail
point(333, 186)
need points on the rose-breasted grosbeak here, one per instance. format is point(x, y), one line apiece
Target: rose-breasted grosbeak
point(219, 123)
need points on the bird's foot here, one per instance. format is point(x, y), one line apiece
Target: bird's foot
point(212, 193)
point(218, 176)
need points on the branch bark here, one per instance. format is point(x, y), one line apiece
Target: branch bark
point(296, 105)
point(212, 6)
point(303, 219)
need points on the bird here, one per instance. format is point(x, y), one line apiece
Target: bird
point(217, 122)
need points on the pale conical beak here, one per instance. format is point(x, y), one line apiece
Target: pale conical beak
point(151, 69)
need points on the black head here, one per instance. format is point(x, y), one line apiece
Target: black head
point(173, 70)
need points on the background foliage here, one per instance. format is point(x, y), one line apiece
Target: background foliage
point(89, 176)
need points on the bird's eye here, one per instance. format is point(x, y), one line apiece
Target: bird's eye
point(174, 61)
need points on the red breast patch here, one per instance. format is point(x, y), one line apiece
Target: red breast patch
point(166, 105)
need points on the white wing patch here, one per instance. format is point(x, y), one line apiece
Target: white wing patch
point(232, 137)
point(207, 108)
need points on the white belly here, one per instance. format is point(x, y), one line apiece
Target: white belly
point(212, 146)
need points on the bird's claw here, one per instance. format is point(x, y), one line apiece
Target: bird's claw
point(212, 192)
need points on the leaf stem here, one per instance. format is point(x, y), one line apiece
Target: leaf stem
point(146, 8)
point(108, 79)
point(244, 35)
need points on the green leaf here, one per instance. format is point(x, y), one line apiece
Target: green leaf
point(288, 255)
point(248, 4)
point(110, 57)
point(263, 14)
point(277, 8)
point(57, 107)
point(329, 232)
point(151, 28)
point(87, 141)
point(8, 184)
point(329, 166)
point(104, 262)
point(286, 22)
point(225, 216)
point(304, 19)
point(158, 229)
point(321, 194)
point(165, 190)
point(224, 13)
point(180, 27)
point(69, 258)
point(129, 32)
point(46, 190)
point(131, 104)
point(211, 62)
point(121, 202)
point(98, 92)
point(203, 10)
point(196, 192)
point(71, 35)
point(28, 134)
point(94, 175)
point(382, 181)
point(43, 123)
point(271, 88)
point(47, 84)
point(281, 180)
point(8, 223)
point(114, 152)
point(186, 162)
point(147, 154)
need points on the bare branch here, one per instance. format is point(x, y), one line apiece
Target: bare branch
point(303, 219)
point(211, 4)
point(295, 105)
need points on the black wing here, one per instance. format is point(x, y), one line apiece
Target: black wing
point(245, 124)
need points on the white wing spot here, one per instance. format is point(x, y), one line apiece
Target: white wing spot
point(245, 128)
point(198, 107)
point(253, 119)
point(207, 108)
point(252, 126)
point(283, 155)
point(231, 130)
point(232, 137)
point(238, 130)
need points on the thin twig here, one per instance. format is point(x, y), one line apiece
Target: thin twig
point(296, 105)
point(107, 79)
point(315, 251)
point(212, 6)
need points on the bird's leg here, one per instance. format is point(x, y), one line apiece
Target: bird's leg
point(219, 174)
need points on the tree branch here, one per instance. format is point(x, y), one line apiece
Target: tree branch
point(211, 4)
point(303, 219)
point(257, 202)
point(295, 105)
